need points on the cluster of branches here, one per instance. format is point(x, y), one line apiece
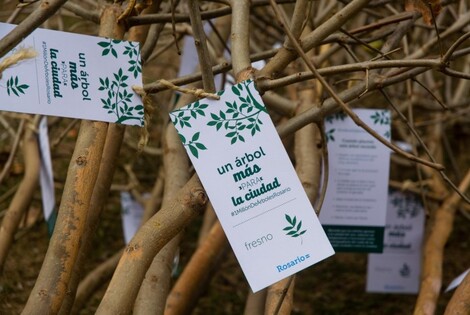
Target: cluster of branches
point(322, 57)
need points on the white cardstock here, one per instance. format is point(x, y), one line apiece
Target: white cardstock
point(393, 273)
point(398, 269)
point(132, 212)
point(46, 177)
point(252, 185)
point(76, 76)
point(457, 281)
point(353, 213)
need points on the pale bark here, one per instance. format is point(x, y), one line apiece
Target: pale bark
point(93, 281)
point(112, 146)
point(191, 282)
point(147, 242)
point(255, 303)
point(459, 304)
point(23, 195)
point(280, 297)
point(53, 280)
point(431, 275)
point(156, 284)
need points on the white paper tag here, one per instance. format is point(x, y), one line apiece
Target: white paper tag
point(393, 273)
point(132, 212)
point(353, 213)
point(252, 185)
point(398, 269)
point(457, 281)
point(46, 177)
point(76, 76)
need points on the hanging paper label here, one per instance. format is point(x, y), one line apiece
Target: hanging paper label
point(46, 177)
point(76, 76)
point(252, 185)
point(131, 214)
point(353, 213)
point(457, 281)
point(398, 269)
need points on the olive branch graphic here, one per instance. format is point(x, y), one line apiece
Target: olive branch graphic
point(14, 86)
point(193, 145)
point(118, 98)
point(381, 118)
point(329, 135)
point(336, 116)
point(109, 47)
point(135, 65)
point(239, 116)
point(182, 116)
point(294, 227)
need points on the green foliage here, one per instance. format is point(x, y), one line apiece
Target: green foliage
point(240, 116)
point(194, 145)
point(108, 47)
point(329, 135)
point(132, 50)
point(381, 117)
point(336, 116)
point(14, 86)
point(183, 116)
point(119, 98)
point(294, 227)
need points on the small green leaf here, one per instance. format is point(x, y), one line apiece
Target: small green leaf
point(193, 151)
point(104, 44)
point(288, 218)
point(235, 90)
point(231, 134)
point(200, 146)
point(182, 138)
point(195, 136)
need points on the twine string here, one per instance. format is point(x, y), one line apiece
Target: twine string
point(200, 93)
point(148, 111)
point(17, 57)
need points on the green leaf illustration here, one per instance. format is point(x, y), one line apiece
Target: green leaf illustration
point(119, 98)
point(108, 47)
point(340, 116)
point(14, 86)
point(241, 117)
point(329, 135)
point(183, 116)
point(193, 145)
point(381, 117)
point(294, 228)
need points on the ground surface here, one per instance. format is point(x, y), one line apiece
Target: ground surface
point(335, 286)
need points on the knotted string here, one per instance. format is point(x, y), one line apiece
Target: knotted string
point(200, 93)
point(18, 56)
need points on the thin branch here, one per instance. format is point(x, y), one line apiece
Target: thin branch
point(201, 46)
point(85, 13)
point(13, 150)
point(29, 24)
